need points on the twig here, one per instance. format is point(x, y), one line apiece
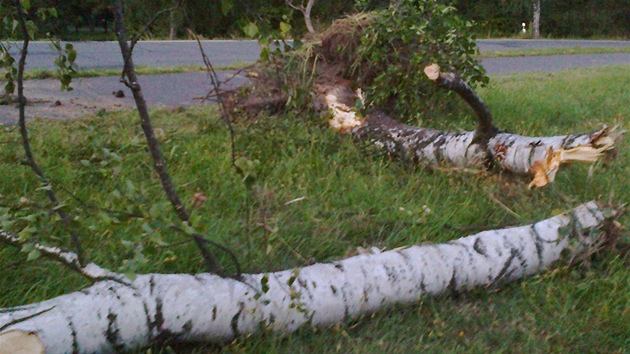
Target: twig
point(216, 83)
point(149, 133)
point(91, 271)
point(494, 199)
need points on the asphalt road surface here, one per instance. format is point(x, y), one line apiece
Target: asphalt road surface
point(225, 52)
point(93, 94)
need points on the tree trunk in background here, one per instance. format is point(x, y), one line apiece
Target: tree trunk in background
point(536, 21)
point(172, 32)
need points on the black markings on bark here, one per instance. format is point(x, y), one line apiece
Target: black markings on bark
point(570, 139)
point(504, 273)
point(235, 318)
point(112, 333)
point(333, 289)
point(187, 327)
point(532, 151)
point(339, 266)
point(404, 255)
point(392, 276)
point(344, 296)
point(272, 318)
point(159, 315)
point(439, 149)
point(480, 247)
point(452, 285)
point(22, 319)
point(73, 332)
point(150, 324)
point(302, 283)
point(151, 285)
point(538, 242)
point(214, 313)
point(17, 309)
point(369, 286)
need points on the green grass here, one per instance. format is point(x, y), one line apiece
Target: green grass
point(354, 196)
point(551, 51)
point(40, 74)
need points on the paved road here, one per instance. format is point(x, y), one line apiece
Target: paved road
point(93, 94)
point(221, 53)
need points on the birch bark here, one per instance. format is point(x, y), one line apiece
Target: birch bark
point(115, 316)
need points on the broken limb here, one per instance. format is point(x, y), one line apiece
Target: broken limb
point(159, 308)
point(540, 157)
point(452, 81)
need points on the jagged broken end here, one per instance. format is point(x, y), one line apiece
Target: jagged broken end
point(432, 71)
point(544, 170)
point(20, 342)
point(344, 115)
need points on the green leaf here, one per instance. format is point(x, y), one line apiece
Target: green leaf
point(226, 6)
point(27, 247)
point(147, 228)
point(26, 4)
point(284, 27)
point(33, 255)
point(251, 30)
point(72, 54)
point(9, 88)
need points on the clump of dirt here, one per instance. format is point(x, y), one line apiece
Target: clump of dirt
point(339, 43)
point(326, 60)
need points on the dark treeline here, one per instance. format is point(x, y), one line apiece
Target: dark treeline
point(92, 19)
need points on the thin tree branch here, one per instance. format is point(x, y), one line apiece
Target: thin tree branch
point(90, 271)
point(147, 127)
point(216, 84)
point(306, 12)
point(76, 241)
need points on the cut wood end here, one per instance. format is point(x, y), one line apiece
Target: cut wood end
point(20, 342)
point(432, 71)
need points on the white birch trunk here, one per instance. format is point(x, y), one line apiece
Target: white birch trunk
point(111, 316)
point(536, 20)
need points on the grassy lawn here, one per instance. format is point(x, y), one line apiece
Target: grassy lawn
point(551, 51)
point(353, 196)
point(40, 74)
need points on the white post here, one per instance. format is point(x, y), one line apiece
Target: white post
point(524, 30)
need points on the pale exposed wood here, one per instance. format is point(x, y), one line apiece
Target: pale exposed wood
point(20, 342)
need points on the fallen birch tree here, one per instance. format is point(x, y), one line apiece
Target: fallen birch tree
point(118, 314)
point(539, 157)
